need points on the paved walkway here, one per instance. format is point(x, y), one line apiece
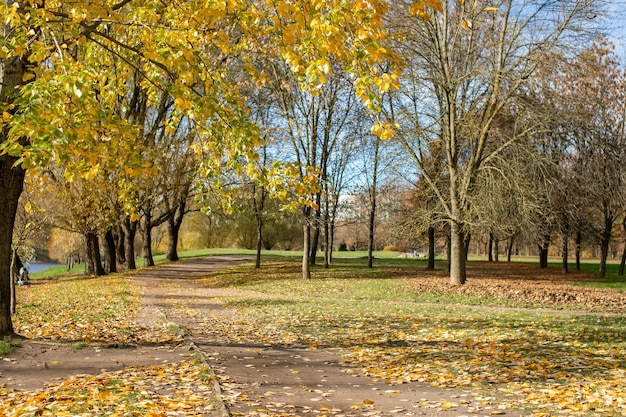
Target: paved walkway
point(264, 380)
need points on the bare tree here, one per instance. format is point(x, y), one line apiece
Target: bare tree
point(314, 124)
point(470, 61)
point(597, 93)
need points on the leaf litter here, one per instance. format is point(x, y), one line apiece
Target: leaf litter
point(549, 363)
point(101, 311)
point(547, 360)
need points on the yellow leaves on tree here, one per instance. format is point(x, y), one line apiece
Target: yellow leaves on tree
point(203, 55)
point(384, 131)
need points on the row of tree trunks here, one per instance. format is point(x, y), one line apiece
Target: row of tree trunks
point(120, 246)
point(93, 261)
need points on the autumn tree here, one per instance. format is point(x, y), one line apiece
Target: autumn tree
point(597, 93)
point(314, 125)
point(88, 207)
point(474, 57)
point(54, 54)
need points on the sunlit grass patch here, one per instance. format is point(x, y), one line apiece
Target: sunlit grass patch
point(82, 309)
point(550, 360)
point(57, 271)
point(558, 362)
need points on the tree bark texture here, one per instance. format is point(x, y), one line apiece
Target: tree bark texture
point(173, 230)
point(110, 253)
point(579, 239)
point(11, 184)
point(146, 234)
point(174, 222)
point(120, 241)
point(259, 204)
point(605, 240)
point(372, 227)
point(509, 249)
point(130, 229)
point(430, 266)
point(93, 262)
point(622, 263)
point(306, 242)
point(458, 274)
point(315, 237)
point(544, 247)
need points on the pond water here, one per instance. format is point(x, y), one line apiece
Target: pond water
point(39, 266)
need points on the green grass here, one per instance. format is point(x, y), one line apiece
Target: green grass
point(358, 260)
point(57, 271)
point(5, 348)
point(611, 281)
point(348, 278)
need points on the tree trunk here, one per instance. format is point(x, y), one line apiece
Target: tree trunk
point(12, 71)
point(172, 241)
point(11, 184)
point(622, 264)
point(146, 234)
point(12, 275)
point(604, 245)
point(509, 249)
point(449, 254)
point(544, 247)
point(496, 249)
point(69, 262)
point(371, 226)
point(306, 241)
point(315, 237)
point(467, 239)
point(258, 214)
point(373, 194)
point(130, 229)
point(327, 238)
point(174, 222)
point(93, 263)
point(331, 244)
point(120, 250)
point(110, 257)
point(565, 255)
point(259, 243)
point(490, 248)
point(458, 274)
point(579, 239)
point(431, 249)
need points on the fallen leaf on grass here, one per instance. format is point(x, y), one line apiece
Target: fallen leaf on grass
point(93, 310)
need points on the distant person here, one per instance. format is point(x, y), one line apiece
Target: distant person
point(22, 278)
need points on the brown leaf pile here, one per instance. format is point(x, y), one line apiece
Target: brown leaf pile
point(526, 285)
